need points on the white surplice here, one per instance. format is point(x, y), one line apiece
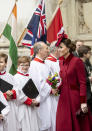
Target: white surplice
point(39, 72)
point(4, 112)
point(26, 115)
point(54, 67)
point(11, 118)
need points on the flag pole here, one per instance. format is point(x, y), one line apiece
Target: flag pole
point(58, 5)
point(25, 30)
point(22, 35)
point(60, 2)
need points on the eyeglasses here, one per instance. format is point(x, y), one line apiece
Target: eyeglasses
point(24, 65)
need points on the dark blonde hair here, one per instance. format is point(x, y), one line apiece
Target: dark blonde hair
point(23, 59)
point(2, 55)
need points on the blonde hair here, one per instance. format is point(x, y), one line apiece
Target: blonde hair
point(23, 59)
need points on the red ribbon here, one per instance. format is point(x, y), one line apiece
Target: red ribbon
point(23, 74)
point(60, 38)
point(2, 73)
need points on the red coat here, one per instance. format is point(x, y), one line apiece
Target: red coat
point(73, 93)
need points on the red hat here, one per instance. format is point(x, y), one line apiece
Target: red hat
point(60, 38)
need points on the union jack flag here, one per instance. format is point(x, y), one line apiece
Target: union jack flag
point(36, 29)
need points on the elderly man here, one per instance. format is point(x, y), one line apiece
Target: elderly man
point(52, 60)
point(53, 63)
point(39, 73)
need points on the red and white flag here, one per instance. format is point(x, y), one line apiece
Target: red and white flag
point(56, 29)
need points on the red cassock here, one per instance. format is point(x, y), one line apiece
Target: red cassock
point(72, 94)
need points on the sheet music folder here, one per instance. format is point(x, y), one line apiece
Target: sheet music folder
point(30, 89)
point(2, 106)
point(5, 86)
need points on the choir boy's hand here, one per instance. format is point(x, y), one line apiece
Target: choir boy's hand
point(1, 117)
point(34, 102)
point(9, 98)
point(9, 93)
point(54, 91)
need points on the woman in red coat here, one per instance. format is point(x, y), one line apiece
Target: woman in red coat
point(72, 99)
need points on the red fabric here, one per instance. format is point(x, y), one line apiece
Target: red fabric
point(60, 37)
point(22, 74)
point(31, 51)
point(54, 27)
point(61, 58)
point(5, 95)
point(72, 72)
point(28, 101)
point(50, 83)
point(39, 60)
point(2, 73)
point(51, 58)
point(14, 94)
point(83, 99)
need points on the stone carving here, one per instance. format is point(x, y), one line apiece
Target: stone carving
point(85, 1)
point(83, 27)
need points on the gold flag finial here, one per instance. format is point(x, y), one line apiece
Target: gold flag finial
point(59, 2)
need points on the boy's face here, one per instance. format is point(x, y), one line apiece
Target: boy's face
point(2, 64)
point(24, 67)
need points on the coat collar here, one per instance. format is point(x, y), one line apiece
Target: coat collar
point(23, 74)
point(68, 59)
point(2, 72)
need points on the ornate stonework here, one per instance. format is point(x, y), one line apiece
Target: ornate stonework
point(78, 21)
point(85, 1)
point(83, 26)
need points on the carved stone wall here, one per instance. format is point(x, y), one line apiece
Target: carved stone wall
point(78, 22)
point(77, 18)
point(85, 1)
point(83, 16)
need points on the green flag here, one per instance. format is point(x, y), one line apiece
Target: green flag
point(10, 33)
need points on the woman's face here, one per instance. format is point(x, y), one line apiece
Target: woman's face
point(63, 50)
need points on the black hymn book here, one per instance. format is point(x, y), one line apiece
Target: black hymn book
point(2, 106)
point(30, 89)
point(5, 86)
